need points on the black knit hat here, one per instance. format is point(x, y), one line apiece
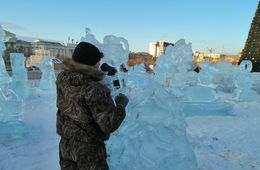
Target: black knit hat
point(86, 53)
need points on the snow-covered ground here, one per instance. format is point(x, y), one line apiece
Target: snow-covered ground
point(219, 142)
point(227, 142)
point(39, 149)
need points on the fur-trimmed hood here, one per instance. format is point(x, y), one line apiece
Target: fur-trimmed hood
point(71, 65)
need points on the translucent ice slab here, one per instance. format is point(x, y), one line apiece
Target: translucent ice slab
point(207, 108)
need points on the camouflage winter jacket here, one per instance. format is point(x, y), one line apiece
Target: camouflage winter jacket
point(86, 111)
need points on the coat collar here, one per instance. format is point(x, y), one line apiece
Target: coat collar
point(71, 65)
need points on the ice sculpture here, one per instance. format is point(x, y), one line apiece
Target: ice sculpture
point(11, 106)
point(4, 77)
point(90, 38)
point(19, 78)
point(207, 73)
point(115, 51)
point(246, 84)
point(174, 68)
point(220, 75)
point(115, 48)
point(48, 76)
point(196, 92)
point(230, 79)
point(153, 134)
point(224, 79)
point(244, 92)
point(246, 65)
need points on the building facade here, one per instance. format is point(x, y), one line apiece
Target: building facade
point(214, 57)
point(37, 49)
point(158, 48)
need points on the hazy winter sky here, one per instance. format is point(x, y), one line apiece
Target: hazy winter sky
point(220, 24)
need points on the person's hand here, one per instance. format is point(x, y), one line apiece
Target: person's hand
point(109, 69)
point(121, 99)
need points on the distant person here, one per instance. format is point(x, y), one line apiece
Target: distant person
point(86, 113)
point(123, 68)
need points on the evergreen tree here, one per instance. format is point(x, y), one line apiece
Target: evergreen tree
point(252, 47)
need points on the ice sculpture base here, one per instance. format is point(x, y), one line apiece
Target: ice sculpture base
point(207, 109)
point(12, 130)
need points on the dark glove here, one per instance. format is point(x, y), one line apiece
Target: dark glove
point(121, 99)
point(107, 68)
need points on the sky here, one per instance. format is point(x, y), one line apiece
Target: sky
point(222, 25)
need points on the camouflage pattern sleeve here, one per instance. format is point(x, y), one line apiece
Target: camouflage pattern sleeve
point(104, 112)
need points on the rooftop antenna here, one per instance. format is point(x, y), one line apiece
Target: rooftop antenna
point(211, 50)
point(222, 49)
point(68, 39)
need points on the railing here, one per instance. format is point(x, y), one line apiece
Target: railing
point(35, 74)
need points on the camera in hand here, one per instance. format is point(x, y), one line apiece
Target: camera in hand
point(116, 83)
point(111, 71)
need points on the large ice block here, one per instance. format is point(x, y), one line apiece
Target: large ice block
point(216, 108)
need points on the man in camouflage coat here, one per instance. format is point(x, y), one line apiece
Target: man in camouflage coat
point(86, 112)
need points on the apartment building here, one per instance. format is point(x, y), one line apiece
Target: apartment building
point(158, 48)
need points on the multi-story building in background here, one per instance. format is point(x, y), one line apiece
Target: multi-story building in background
point(57, 50)
point(158, 48)
point(36, 49)
point(214, 57)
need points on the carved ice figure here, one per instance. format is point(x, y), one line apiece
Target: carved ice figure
point(11, 106)
point(244, 92)
point(174, 68)
point(90, 38)
point(207, 73)
point(48, 76)
point(153, 134)
point(224, 79)
point(246, 65)
point(19, 78)
point(115, 50)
